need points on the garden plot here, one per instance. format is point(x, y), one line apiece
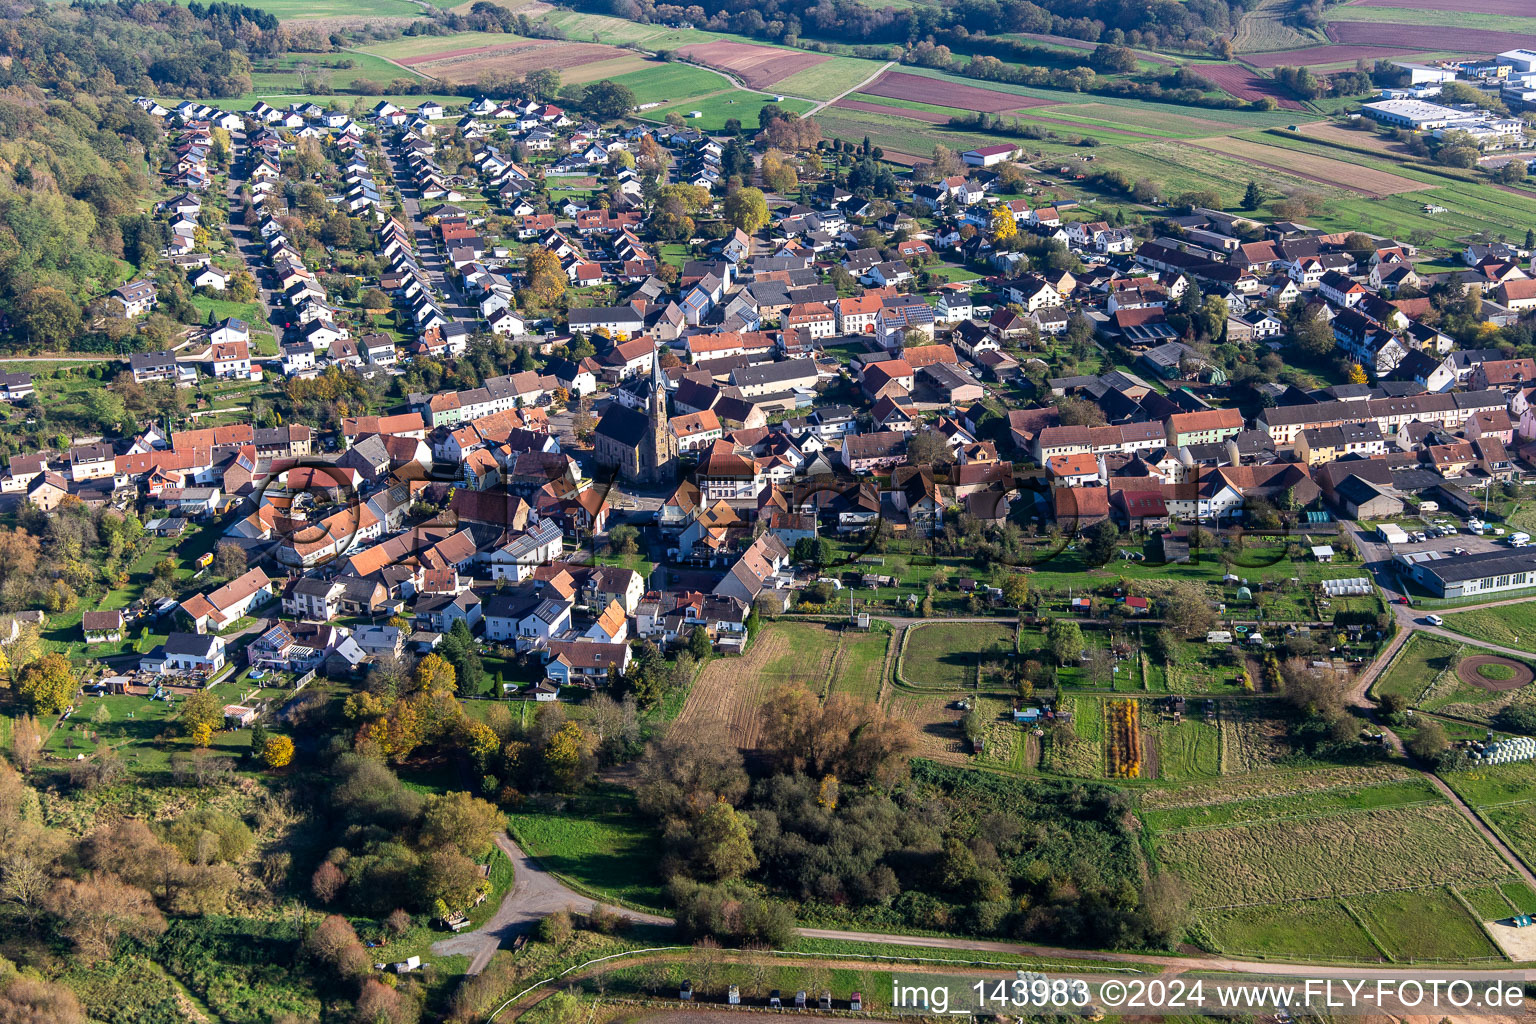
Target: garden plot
point(1330, 855)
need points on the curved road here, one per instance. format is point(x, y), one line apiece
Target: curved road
point(537, 893)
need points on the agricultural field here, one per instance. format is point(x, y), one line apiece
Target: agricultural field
point(859, 664)
point(577, 62)
point(828, 79)
point(313, 10)
point(947, 656)
point(939, 736)
point(1516, 823)
point(599, 842)
point(1245, 84)
point(1268, 26)
point(1520, 21)
point(1330, 855)
point(669, 83)
point(899, 85)
point(1438, 38)
point(1327, 53)
point(728, 694)
point(1320, 169)
point(1078, 749)
point(757, 66)
point(1494, 784)
point(1270, 797)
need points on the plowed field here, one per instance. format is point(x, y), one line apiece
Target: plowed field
point(1246, 85)
point(757, 66)
point(898, 85)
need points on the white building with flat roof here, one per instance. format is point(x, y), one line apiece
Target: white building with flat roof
point(1523, 61)
point(1420, 115)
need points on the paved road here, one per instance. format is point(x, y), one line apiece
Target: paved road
point(537, 893)
point(249, 244)
point(431, 258)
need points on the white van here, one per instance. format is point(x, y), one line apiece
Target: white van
point(1519, 540)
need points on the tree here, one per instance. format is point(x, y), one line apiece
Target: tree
point(1313, 335)
point(1066, 640)
point(277, 751)
point(722, 840)
point(607, 100)
point(229, 560)
point(557, 929)
point(1187, 609)
point(747, 209)
point(929, 448)
point(1253, 198)
point(201, 712)
point(546, 279)
point(1357, 374)
point(97, 911)
point(26, 742)
point(465, 822)
point(435, 675)
point(1103, 538)
point(1430, 741)
point(47, 684)
point(698, 643)
point(1003, 227)
point(778, 173)
point(568, 756)
point(543, 83)
point(327, 882)
point(1015, 589)
point(335, 944)
point(48, 316)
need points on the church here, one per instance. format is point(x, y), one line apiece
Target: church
point(639, 444)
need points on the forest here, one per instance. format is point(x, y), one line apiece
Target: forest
point(1147, 23)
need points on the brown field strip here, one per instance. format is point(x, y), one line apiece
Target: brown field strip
point(1365, 180)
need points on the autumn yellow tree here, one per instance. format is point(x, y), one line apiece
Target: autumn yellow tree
point(568, 755)
point(277, 752)
point(436, 675)
point(47, 684)
point(1004, 227)
point(1357, 374)
point(546, 279)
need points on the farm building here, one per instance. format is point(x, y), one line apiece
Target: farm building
point(1484, 572)
point(989, 156)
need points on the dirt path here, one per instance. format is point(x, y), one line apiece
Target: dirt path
point(1465, 810)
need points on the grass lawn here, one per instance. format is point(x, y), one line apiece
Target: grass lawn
point(726, 103)
point(859, 663)
point(828, 79)
point(1509, 625)
point(946, 655)
point(1341, 854)
point(1425, 924)
point(598, 842)
point(1311, 928)
point(1416, 666)
point(669, 83)
point(1494, 783)
point(1187, 750)
point(1367, 794)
